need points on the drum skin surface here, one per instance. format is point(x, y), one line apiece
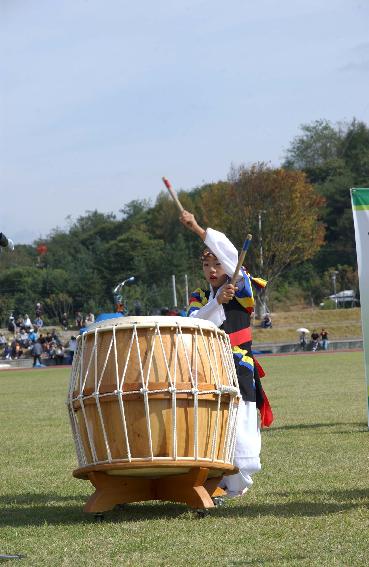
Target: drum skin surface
point(149, 395)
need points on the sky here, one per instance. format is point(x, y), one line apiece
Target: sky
point(99, 100)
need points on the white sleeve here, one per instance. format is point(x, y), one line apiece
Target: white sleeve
point(212, 311)
point(224, 250)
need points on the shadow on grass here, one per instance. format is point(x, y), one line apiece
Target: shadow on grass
point(351, 427)
point(53, 509)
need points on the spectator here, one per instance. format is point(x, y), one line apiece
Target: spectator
point(183, 312)
point(173, 312)
point(38, 322)
point(55, 337)
point(59, 354)
point(36, 352)
point(32, 336)
point(267, 321)
point(7, 352)
point(11, 324)
point(24, 338)
point(303, 341)
point(64, 321)
point(2, 340)
point(90, 318)
point(16, 350)
point(42, 341)
point(314, 340)
point(49, 338)
point(27, 322)
point(164, 311)
point(324, 342)
point(38, 310)
point(79, 320)
point(72, 345)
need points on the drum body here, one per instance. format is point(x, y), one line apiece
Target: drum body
point(151, 394)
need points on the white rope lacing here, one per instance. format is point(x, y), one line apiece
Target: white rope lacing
point(216, 342)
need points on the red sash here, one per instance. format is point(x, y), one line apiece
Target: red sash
point(239, 337)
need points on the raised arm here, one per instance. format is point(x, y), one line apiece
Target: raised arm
point(189, 221)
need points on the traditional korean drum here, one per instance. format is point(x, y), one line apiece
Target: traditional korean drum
point(152, 398)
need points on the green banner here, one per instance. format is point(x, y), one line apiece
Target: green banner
point(360, 207)
point(360, 199)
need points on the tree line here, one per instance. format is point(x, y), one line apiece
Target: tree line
point(299, 215)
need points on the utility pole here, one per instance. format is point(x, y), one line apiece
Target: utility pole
point(334, 275)
point(174, 291)
point(186, 289)
point(263, 308)
point(261, 242)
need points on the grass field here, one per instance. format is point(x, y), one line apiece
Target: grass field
point(308, 507)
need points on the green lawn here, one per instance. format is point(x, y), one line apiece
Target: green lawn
point(308, 506)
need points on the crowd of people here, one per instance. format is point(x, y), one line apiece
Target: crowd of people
point(317, 340)
point(33, 342)
point(27, 337)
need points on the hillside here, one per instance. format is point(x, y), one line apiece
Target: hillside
point(340, 324)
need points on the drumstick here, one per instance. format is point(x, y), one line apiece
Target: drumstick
point(241, 258)
point(173, 194)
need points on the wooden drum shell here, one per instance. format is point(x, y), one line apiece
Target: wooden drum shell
point(153, 390)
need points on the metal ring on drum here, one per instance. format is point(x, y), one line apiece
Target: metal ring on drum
point(153, 407)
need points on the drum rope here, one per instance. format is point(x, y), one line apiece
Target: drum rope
point(216, 349)
point(174, 399)
point(120, 398)
point(196, 402)
point(99, 411)
point(89, 434)
point(217, 377)
point(144, 391)
point(105, 363)
point(127, 361)
point(84, 376)
point(96, 392)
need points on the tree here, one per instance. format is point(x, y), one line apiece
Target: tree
point(291, 229)
point(319, 144)
point(335, 158)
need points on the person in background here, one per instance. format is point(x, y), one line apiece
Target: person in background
point(314, 340)
point(303, 341)
point(267, 321)
point(36, 353)
point(27, 322)
point(7, 352)
point(11, 325)
point(79, 320)
point(72, 345)
point(2, 340)
point(64, 321)
point(38, 310)
point(90, 318)
point(38, 322)
point(59, 353)
point(32, 336)
point(324, 342)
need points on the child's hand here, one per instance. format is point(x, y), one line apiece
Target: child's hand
point(226, 293)
point(189, 221)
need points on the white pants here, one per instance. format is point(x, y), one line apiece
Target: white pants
point(247, 453)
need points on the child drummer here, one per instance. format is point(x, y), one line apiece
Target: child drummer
point(230, 308)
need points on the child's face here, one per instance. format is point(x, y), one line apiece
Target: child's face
point(214, 272)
